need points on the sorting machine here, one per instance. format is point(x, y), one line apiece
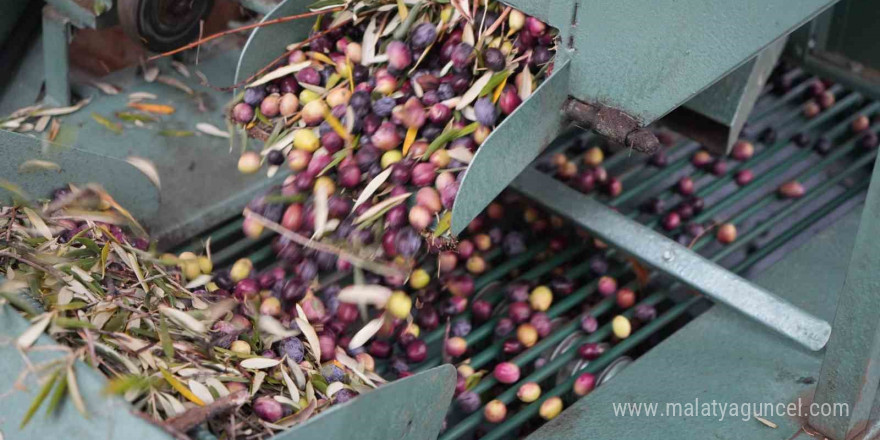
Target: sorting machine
point(798, 290)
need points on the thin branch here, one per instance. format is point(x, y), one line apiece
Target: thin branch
point(204, 40)
point(381, 269)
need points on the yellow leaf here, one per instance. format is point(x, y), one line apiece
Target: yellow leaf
point(410, 138)
point(499, 89)
point(336, 125)
point(159, 109)
point(182, 389)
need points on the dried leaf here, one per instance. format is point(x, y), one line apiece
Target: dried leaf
point(106, 123)
point(137, 96)
point(58, 111)
point(258, 382)
point(75, 396)
point(177, 385)
point(180, 68)
point(524, 84)
point(107, 88)
point(176, 83)
point(38, 223)
point(259, 363)
point(26, 339)
point(467, 35)
point(184, 319)
point(333, 388)
point(353, 366)
point(410, 139)
point(474, 91)
point(271, 326)
point(150, 73)
point(38, 400)
point(159, 109)
point(42, 123)
point(200, 391)
point(198, 281)
point(366, 333)
point(367, 294)
point(209, 129)
point(280, 72)
point(147, 167)
point(321, 211)
point(291, 387)
point(217, 386)
point(311, 337)
point(372, 187)
point(461, 154)
point(32, 165)
point(176, 133)
point(379, 207)
point(643, 275)
point(368, 45)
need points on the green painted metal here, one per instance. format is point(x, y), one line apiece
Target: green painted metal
point(851, 369)
point(78, 166)
point(512, 146)
point(412, 408)
point(676, 260)
point(56, 56)
point(109, 417)
point(265, 44)
point(259, 6)
point(728, 103)
point(77, 12)
point(749, 366)
point(393, 411)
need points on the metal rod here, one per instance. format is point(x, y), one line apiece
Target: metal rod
point(668, 256)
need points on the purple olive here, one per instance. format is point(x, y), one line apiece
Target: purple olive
point(399, 55)
point(494, 59)
point(242, 112)
point(253, 96)
point(268, 409)
point(422, 36)
point(486, 112)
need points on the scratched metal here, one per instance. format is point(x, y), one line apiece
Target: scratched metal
point(676, 260)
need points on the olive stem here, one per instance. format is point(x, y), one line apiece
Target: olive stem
point(204, 40)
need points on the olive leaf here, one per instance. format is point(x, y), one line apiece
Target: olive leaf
point(201, 391)
point(381, 208)
point(73, 390)
point(311, 337)
point(259, 363)
point(147, 167)
point(366, 333)
point(280, 73)
point(33, 332)
point(212, 130)
point(33, 165)
point(371, 187)
point(38, 400)
point(369, 294)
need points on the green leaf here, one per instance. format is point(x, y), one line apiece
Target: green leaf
point(496, 79)
point(106, 123)
point(176, 133)
point(132, 117)
point(38, 400)
point(73, 305)
point(122, 384)
point(447, 136)
point(165, 338)
point(319, 383)
point(443, 224)
point(473, 380)
point(60, 392)
point(324, 4)
point(337, 157)
point(71, 323)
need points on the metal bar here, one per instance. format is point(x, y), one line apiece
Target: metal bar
point(668, 256)
point(56, 56)
point(851, 368)
point(594, 367)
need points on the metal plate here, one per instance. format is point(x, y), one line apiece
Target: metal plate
point(122, 180)
point(721, 355)
point(267, 43)
point(412, 408)
point(512, 146)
